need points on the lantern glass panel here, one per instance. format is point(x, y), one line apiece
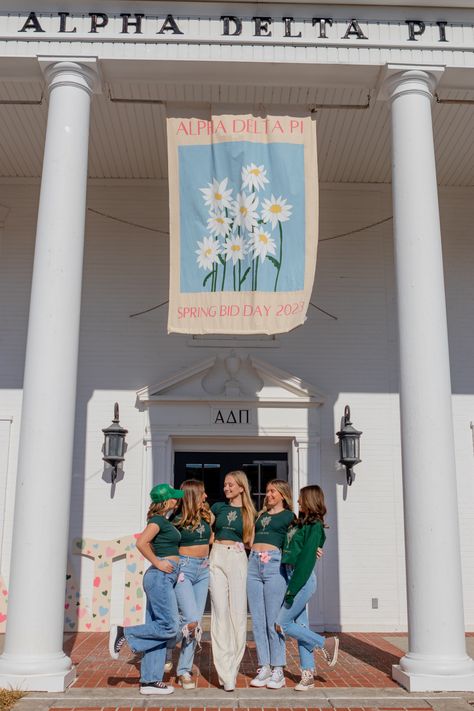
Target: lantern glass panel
point(114, 445)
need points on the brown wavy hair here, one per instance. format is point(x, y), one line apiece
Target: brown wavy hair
point(157, 509)
point(313, 503)
point(284, 490)
point(249, 513)
point(191, 509)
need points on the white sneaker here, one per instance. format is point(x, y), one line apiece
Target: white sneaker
point(264, 674)
point(307, 680)
point(229, 687)
point(186, 681)
point(330, 651)
point(168, 666)
point(277, 679)
point(155, 688)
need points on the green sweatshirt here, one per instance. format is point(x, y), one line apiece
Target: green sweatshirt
point(299, 550)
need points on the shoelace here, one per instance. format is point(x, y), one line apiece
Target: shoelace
point(119, 644)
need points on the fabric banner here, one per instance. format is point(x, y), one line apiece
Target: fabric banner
point(243, 219)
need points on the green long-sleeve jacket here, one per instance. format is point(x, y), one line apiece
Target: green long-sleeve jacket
point(299, 550)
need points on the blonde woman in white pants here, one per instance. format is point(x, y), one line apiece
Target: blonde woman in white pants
point(233, 529)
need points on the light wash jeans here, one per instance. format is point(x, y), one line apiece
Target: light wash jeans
point(162, 623)
point(293, 621)
point(266, 586)
point(191, 593)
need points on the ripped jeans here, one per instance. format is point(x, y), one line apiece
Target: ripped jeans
point(191, 593)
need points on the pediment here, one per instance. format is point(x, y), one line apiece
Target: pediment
point(233, 377)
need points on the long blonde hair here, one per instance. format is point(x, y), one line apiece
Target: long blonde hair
point(284, 490)
point(249, 513)
point(191, 507)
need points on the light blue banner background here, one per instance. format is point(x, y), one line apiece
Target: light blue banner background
point(284, 164)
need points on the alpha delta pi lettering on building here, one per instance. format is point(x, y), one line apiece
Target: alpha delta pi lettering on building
point(309, 28)
point(243, 220)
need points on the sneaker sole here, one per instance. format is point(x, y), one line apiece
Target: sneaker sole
point(333, 662)
point(258, 684)
point(304, 688)
point(156, 692)
point(112, 638)
point(277, 686)
point(187, 687)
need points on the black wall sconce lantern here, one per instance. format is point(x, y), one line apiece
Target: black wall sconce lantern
point(114, 443)
point(349, 444)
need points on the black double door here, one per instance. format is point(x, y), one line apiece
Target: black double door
point(211, 468)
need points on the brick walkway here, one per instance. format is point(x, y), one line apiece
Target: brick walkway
point(365, 660)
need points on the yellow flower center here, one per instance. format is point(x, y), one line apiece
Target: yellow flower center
point(255, 171)
point(243, 211)
point(208, 252)
point(218, 196)
point(220, 220)
point(263, 238)
point(235, 248)
point(275, 209)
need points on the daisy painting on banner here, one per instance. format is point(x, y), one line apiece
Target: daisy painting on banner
point(243, 193)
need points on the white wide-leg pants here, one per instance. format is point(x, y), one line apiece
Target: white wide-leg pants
point(228, 586)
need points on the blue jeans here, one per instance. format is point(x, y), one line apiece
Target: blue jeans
point(162, 623)
point(293, 621)
point(266, 586)
point(191, 593)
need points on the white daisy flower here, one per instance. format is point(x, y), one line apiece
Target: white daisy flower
point(276, 210)
point(207, 253)
point(234, 249)
point(244, 209)
point(254, 176)
point(262, 244)
point(218, 224)
point(216, 195)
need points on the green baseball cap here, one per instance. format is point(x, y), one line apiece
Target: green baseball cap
point(163, 492)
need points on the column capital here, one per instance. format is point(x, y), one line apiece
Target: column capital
point(82, 73)
point(397, 79)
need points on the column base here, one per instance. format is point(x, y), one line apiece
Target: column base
point(50, 672)
point(432, 682)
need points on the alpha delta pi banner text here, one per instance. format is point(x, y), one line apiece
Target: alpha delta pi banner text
point(243, 220)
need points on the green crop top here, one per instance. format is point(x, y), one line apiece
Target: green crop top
point(228, 525)
point(272, 528)
point(167, 539)
point(194, 537)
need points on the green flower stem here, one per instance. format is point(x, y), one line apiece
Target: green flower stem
point(253, 275)
point(256, 273)
point(223, 274)
point(233, 271)
point(240, 274)
point(281, 255)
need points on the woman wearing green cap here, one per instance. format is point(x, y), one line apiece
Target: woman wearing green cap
point(159, 544)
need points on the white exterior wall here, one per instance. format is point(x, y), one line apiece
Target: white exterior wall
point(351, 361)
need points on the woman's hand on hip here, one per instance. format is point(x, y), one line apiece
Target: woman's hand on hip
point(165, 566)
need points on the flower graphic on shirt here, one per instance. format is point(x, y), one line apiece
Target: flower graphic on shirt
point(264, 521)
point(231, 516)
point(200, 529)
point(290, 534)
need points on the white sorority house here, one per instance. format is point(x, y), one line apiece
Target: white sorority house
point(84, 263)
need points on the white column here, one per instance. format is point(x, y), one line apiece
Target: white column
point(437, 658)
point(33, 658)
